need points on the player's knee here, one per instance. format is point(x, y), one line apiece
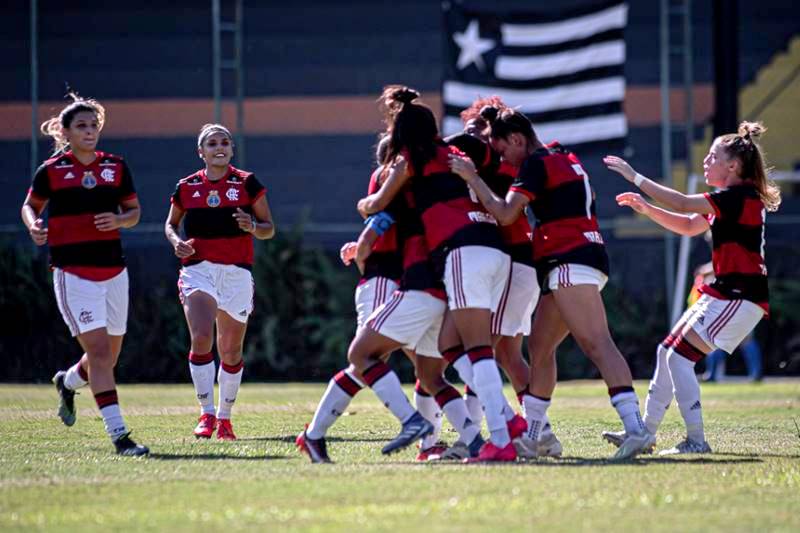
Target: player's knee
point(202, 339)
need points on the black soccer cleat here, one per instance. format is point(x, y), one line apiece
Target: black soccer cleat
point(316, 449)
point(414, 429)
point(127, 448)
point(66, 399)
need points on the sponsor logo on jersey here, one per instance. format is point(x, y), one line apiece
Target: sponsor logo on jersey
point(213, 199)
point(108, 163)
point(593, 236)
point(85, 317)
point(107, 174)
point(480, 216)
point(63, 164)
point(69, 176)
point(88, 181)
point(196, 194)
point(232, 194)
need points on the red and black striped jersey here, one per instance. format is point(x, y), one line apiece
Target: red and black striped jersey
point(737, 234)
point(451, 214)
point(209, 207)
point(419, 271)
point(76, 193)
point(498, 175)
point(562, 201)
point(386, 259)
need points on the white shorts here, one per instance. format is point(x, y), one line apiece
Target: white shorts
point(722, 323)
point(519, 300)
point(412, 318)
point(230, 286)
point(570, 274)
point(370, 295)
point(87, 305)
point(475, 277)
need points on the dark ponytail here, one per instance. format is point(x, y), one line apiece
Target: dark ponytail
point(411, 127)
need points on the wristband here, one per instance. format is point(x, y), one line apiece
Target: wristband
point(638, 179)
point(253, 221)
point(379, 222)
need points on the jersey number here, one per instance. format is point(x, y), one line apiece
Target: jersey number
point(587, 189)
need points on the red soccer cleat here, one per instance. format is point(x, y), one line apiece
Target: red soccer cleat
point(436, 451)
point(205, 426)
point(225, 430)
point(517, 427)
point(492, 454)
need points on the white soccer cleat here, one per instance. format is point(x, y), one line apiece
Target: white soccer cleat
point(687, 446)
point(526, 448)
point(634, 444)
point(548, 446)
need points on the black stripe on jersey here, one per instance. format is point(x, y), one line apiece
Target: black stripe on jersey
point(614, 34)
point(521, 253)
point(592, 254)
point(94, 253)
point(385, 264)
point(421, 276)
point(748, 237)
point(79, 201)
point(447, 187)
point(567, 200)
point(213, 222)
point(751, 287)
point(478, 234)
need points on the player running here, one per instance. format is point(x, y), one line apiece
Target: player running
point(89, 196)
point(730, 307)
point(222, 209)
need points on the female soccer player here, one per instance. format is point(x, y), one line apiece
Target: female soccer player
point(732, 305)
point(464, 244)
point(89, 196)
point(222, 208)
point(571, 264)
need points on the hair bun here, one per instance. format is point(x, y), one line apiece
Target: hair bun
point(404, 95)
point(751, 130)
point(489, 113)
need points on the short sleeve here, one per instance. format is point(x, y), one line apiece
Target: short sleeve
point(531, 179)
point(175, 199)
point(254, 188)
point(126, 189)
point(726, 201)
point(40, 186)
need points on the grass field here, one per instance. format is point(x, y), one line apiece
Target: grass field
point(67, 479)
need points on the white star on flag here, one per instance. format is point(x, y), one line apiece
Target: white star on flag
point(472, 46)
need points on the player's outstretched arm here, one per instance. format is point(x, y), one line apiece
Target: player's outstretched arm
point(684, 203)
point(689, 225)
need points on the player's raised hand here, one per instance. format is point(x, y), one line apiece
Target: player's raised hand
point(107, 221)
point(246, 222)
point(634, 201)
point(619, 165)
point(184, 248)
point(38, 232)
point(464, 167)
point(348, 252)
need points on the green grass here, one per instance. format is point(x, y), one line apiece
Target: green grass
point(65, 479)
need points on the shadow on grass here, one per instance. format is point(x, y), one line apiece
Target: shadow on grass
point(769, 455)
point(583, 461)
point(213, 457)
point(291, 438)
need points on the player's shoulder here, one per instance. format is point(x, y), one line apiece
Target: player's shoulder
point(196, 178)
point(105, 158)
point(239, 175)
point(60, 160)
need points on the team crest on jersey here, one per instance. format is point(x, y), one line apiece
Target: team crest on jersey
point(89, 181)
point(232, 194)
point(107, 174)
point(213, 199)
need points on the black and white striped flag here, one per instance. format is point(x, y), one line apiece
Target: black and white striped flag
point(563, 70)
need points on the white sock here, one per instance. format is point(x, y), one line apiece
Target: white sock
point(386, 386)
point(474, 407)
point(340, 392)
point(627, 406)
point(73, 379)
point(659, 395)
point(455, 409)
point(229, 377)
point(465, 373)
point(535, 415)
point(112, 415)
point(687, 394)
point(201, 368)
point(429, 409)
point(489, 387)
